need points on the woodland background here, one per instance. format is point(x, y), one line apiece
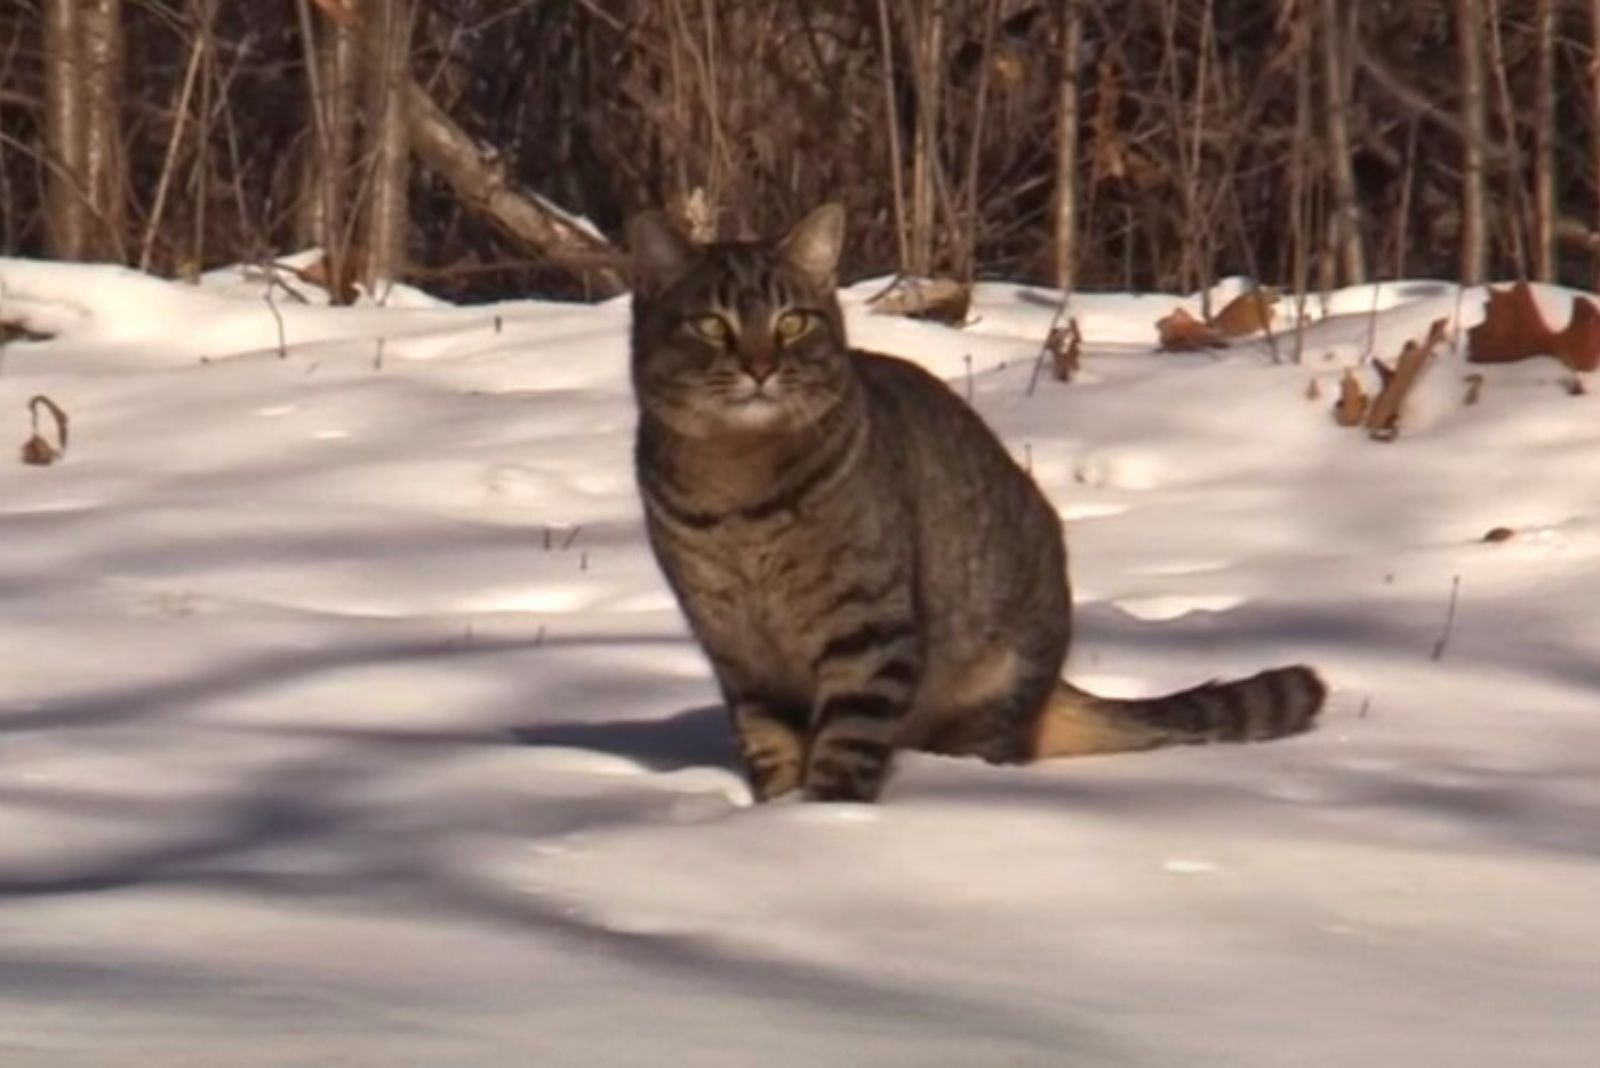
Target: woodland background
point(1095, 144)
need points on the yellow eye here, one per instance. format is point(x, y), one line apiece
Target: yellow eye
point(791, 324)
point(711, 327)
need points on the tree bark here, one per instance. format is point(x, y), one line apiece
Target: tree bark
point(386, 51)
point(1474, 210)
point(1067, 123)
point(1344, 221)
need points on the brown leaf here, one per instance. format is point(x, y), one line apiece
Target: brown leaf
point(1248, 313)
point(1514, 328)
point(942, 300)
point(1065, 345)
point(1182, 332)
point(1352, 406)
point(1579, 344)
point(1474, 388)
point(344, 12)
point(1500, 534)
point(339, 281)
point(1313, 390)
point(1383, 419)
point(38, 452)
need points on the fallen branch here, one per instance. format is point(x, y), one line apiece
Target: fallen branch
point(478, 176)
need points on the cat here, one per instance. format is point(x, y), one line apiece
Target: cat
point(864, 564)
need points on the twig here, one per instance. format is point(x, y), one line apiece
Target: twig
point(1449, 619)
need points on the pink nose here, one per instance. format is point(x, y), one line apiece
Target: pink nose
point(760, 368)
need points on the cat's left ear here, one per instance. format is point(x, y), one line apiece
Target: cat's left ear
point(659, 250)
point(814, 245)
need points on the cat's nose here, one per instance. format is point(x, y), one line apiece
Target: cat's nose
point(760, 367)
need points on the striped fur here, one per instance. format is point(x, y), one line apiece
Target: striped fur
point(864, 564)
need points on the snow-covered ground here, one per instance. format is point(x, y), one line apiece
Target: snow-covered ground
point(345, 721)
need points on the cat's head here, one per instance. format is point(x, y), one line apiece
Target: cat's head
point(738, 337)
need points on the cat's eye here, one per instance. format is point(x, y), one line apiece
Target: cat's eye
point(711, 327)
point(791, 324)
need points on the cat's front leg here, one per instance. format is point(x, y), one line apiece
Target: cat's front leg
point(852, 748)
point(868, 679)
point(770, 744)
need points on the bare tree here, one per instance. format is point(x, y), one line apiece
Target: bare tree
point(1544, 142)
point(104, 164)
point(67, 203)
point(333, 72)
point(1344, 222)
point(1474, 208)
point(386, 60)
point(1067, 121)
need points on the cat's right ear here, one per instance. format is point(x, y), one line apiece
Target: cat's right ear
point(659, 250)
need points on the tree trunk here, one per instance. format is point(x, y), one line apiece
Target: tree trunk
point(928, 48)
point(1344, 221)
point(1067, 123)
point(104, 165)
point(66, 202)
point(1594, 138)
point(386, 52)
point(1474, 209)
point(334, 72)
point(1544, 144)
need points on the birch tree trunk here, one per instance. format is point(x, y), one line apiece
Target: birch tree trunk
point(386, 48)
point(66, 203)
point(1344, 221)
point(1474, 211)
point(1067, 123)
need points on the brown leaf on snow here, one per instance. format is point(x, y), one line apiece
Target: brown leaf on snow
point(1514, 328)
point(1352, 406)
point(36, 451)
point(1182, 332)
point(1065, 345)
point(1383, 419)
point(943, 300)
point(1248, 313)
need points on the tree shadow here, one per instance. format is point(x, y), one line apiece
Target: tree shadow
point(695, 737)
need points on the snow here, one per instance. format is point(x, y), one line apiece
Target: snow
point(346, 720)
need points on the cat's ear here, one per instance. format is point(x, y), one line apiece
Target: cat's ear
point(814, 245)
point(659, 250)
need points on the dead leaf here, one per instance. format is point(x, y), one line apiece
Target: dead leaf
point(1065, 345)
point(36, 450)
point(1352, 406)
point(344, 12)
point(1248, 313)
point(942, 300)
point(1182, 332)
point(340, 282)
point(1313, 390)
point(1383, 419)
point(1499, 534)
point(19, 331)
point(1474, 387)
point(1514, 328)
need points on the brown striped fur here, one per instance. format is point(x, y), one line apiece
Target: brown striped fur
point(864, 564)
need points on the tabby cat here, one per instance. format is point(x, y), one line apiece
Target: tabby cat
point(864, 564)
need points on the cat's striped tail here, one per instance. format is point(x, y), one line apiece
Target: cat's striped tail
point(1273, 704)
